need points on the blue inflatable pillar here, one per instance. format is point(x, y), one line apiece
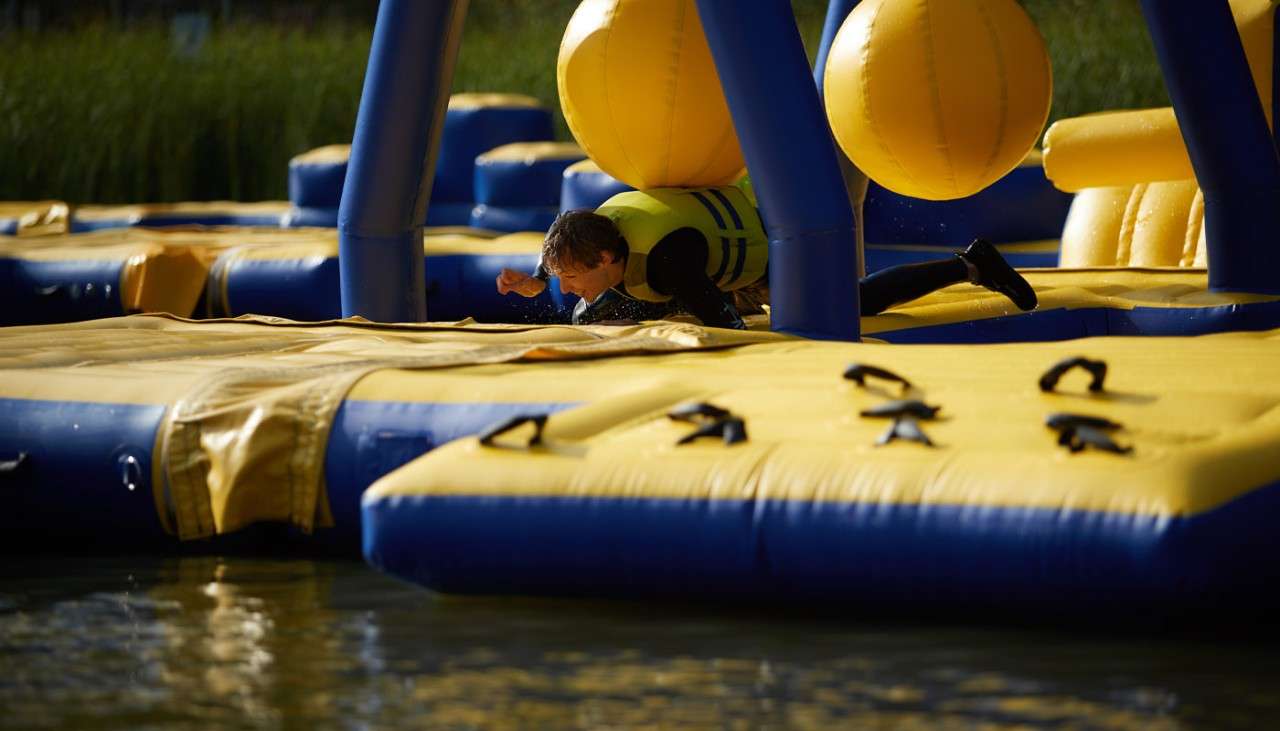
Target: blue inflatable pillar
point(393, 158)
point(787, 144)
point(1231, 148)
point(837, 11)
point(855, 181)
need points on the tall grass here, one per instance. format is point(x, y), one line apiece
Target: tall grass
point(103, 114)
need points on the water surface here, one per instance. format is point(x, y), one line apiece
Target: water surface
point(203, 642)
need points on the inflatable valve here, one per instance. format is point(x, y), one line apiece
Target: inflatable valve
point(1096, 368)
point(859, 372)
point(906, 428)
point(10, 467)
point(1077, 431)
point(713, 422)
point(539, 422)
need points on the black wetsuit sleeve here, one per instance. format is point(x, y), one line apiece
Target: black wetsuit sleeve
point(678, 267)
point(540, 271)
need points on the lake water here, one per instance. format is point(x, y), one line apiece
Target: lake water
point(206, 642)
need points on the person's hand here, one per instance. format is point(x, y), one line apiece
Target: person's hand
point(512, 281)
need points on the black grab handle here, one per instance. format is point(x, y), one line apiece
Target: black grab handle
point(539, 421)
point(1077, 431)
point(697, 411)
point(859, 372)
point(731, 429)
point(1096, 368)
point(712, 421)
point(903, 407)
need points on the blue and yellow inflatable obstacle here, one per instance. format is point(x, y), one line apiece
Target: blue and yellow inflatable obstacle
point(117, 432)
point(219, 272)
point(795, 491)
point(474, 124)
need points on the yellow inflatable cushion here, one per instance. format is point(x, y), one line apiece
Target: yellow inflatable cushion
point(1144, 225)
point(38, 218)
point(477, 100)
point(530, 152)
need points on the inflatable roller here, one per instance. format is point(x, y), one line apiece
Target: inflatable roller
point(1115, 148)
point(807, 471)
point(162, 215)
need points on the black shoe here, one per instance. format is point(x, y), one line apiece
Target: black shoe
point(995, 274)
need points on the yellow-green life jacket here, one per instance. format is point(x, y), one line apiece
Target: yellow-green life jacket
point(737, 247)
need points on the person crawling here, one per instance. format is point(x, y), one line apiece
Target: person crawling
point(646, 255)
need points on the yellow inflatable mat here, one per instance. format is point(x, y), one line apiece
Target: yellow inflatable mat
point(1171, 500)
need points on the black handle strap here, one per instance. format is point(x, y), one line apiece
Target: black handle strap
point(1096, 368)
point(859, 372)
point(903, 407)
point(1077, 438)
point(907, 429)
point(539, 422)
point(731, 429)
point(698, 411)
point(1062, 421)
point(1078, 431)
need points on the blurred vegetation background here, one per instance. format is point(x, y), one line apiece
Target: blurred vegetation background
point(155, 100)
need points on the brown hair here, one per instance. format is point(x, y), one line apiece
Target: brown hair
point(578, 238)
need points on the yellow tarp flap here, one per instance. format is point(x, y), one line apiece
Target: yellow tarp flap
point(251, 400)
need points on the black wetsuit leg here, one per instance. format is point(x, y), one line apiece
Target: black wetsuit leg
point(906, 282)
point(677, 267)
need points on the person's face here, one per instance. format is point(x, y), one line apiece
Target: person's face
point(589, 282)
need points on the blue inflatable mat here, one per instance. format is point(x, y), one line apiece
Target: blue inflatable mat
point(1021, 206)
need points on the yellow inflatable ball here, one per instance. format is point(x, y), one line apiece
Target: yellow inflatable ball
point(937, 99)
point(640, 93)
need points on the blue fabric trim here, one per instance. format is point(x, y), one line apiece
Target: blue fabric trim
point(803, 551)
point(715, 213)
point(741, 261)
point(737, 220)
point(724, 260)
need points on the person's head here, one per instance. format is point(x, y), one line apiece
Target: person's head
point(586, 251)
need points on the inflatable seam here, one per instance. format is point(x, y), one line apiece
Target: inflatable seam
point(935, 95)
point(864, 81)
point(1003, 72)
point(1124, 247)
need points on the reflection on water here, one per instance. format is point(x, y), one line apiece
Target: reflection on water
point(193, 643)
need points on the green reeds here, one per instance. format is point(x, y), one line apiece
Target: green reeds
point(106, 114)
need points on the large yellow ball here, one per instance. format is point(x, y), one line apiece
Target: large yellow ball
point(937, 99)
point(640, 93)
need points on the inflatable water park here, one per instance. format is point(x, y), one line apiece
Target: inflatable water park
point(340, 372)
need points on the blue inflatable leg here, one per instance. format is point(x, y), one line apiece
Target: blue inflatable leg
point(1231, 148)
point(789, 152)
point(393, 156)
